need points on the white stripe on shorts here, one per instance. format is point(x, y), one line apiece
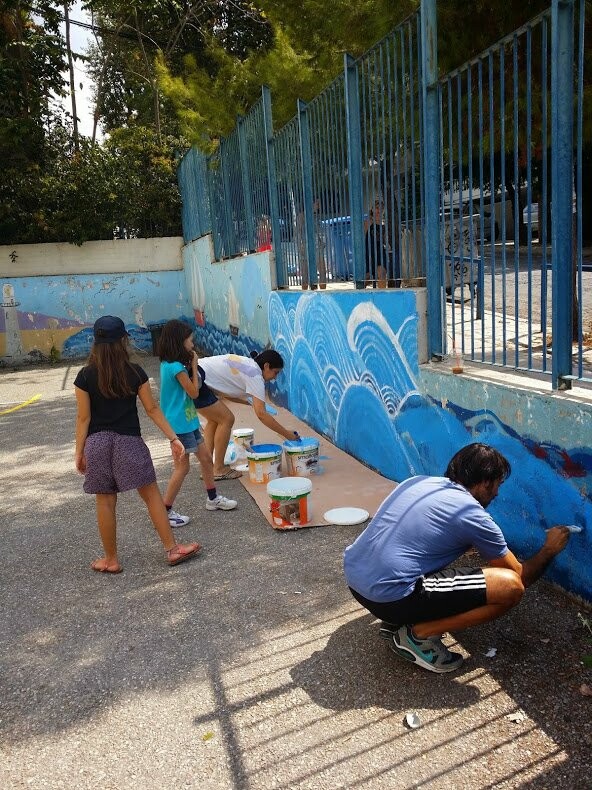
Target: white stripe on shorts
point(471, 582)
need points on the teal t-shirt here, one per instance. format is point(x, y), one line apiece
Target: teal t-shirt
point(176, 404)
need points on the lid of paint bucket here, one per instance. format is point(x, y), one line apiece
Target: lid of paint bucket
point(240, 432)
point(297, 446)
point(260, 451)
point(346, 516)
point(289, 487)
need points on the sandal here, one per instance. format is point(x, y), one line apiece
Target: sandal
point(96, 566)
point(182, 552)
point(232, 474)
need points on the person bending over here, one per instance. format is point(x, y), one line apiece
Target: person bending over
point(237, 378)
point(397, 568)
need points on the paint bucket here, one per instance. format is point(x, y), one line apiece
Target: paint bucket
point(289, 502)
point(265, 462)
point(302, 458)
point(243, 437)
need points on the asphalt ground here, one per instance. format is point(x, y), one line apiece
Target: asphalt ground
point(251, 666)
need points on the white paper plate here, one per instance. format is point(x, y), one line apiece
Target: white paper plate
point(346, 516)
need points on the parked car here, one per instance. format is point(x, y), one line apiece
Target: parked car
point(533, 208)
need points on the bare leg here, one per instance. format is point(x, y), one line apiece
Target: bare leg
point(504, 591)
point(107, 523)
point(158, 515)
point(180, 471)
point(217, 433)
point(207, 465)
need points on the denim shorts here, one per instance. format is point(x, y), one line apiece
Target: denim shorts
point(115, 463)
point(191, 440)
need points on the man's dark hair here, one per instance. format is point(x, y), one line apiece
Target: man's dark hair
point(477, 463)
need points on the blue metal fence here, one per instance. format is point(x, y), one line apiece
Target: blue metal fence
point(512, 278)
point(392, 176)
point(193, 185)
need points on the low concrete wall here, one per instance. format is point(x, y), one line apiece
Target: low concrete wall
point(93, 257)
point(45, 313)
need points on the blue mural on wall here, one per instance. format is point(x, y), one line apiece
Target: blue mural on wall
point(352, 372)
point(79, 345)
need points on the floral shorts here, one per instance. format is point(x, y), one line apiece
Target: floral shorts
point(115, 463)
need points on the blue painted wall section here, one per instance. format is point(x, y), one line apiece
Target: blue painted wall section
point(228, 299)
point(59, 311)
point(352, 373)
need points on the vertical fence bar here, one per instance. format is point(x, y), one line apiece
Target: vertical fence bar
point(246, 183)
point(562, 46)
point(228, 236)
point(281, 274)
point(502, 89)
point(306, 164)
point(529, 184)
point(542, 209)
point(429, 86)
point(516, 205)
point(481, 209)
point(579, 206)
point(354, 166)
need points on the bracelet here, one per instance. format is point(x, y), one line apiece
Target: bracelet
point(174, 440)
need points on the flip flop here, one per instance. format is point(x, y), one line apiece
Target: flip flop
point(183, 556)
point(232, 474)
point(93, 565)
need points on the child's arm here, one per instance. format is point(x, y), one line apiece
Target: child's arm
point(82, 423)
point(153, 410)
point(190, 385)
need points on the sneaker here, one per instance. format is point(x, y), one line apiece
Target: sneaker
point(221, 503)
point(388, 630)
point(176, 519)
point(431, 654)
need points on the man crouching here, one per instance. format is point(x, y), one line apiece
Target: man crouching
point(397, 568)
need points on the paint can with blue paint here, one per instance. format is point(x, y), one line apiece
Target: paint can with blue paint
point(265, 462)
point(302, 457)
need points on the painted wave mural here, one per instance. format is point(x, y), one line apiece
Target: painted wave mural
point(352, 373)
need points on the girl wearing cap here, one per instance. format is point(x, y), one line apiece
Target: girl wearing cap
point(110, 451)
point(241, 379)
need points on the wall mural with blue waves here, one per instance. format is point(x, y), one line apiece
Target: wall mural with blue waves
point(352, 373)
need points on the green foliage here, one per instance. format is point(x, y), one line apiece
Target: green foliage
point(304, 54)
point(32, 59)
point(126, 184)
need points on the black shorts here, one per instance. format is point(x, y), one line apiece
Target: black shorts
point(436, 595)
point(205, 398)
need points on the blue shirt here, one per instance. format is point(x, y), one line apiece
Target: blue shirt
point(176, 404)
point(423, 526)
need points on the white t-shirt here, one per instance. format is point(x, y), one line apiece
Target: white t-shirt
point(235, 376)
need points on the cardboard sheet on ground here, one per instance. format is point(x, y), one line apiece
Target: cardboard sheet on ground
point(344, 481)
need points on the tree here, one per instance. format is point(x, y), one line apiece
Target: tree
point(302, 54)
point(32, 59)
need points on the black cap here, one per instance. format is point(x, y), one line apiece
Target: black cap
point(108, 329)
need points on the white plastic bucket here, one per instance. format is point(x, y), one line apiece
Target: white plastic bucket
point(302, 457)
point(290, 502)
point(265, 462)
point(244, 437)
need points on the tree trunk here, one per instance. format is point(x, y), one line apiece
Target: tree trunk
point(72, 84)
